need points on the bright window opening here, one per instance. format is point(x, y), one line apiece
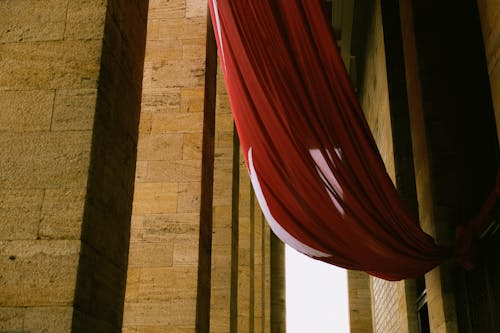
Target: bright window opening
point(316, 295)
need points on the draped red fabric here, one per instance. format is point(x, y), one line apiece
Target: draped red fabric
point(314, 165)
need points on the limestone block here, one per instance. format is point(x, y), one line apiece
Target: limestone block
point(161, 100)
point(184, 28)
point(38, 273)
point(189, 197)
point(155, 198)
point(167, 9)
point(174, 314)
point(195, 8)
point(74, 109)
point(26, 110)
point(153, 29)
point(166, 50)
point(44, 159)
point(151, 254)
point(223, 213)
point(136, 228)
point(20, 213)
point(192, 99)
point(186, 250)
point(147, 78)
point(62, 213)
point(157, 329)
point(181, 122)
point(192, 146)
point(168, 283)
point(184, 72)
point(146, 122)
point(174, 171)
point(141, 171)
point(48, 319)
point(11, 319)
point(160, 147)
point(133, 284)
point(166, 227)
point(85, 19)
point(55, 64)
point(225, 122)
point(26, 20)
point(193, 48)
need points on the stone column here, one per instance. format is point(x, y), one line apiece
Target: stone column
point(278, 291)
point(70, 81)
point(163, 262)
point(489, 11)
point(223, 207)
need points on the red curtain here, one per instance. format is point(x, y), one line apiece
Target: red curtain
point(312, 160)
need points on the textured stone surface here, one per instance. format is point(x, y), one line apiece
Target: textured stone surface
point(163, 260)
point(489, 11)
point(388, 310)
point(64, 177)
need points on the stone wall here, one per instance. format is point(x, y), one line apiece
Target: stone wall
point(388, 299)
point(489, 11)
point(163, 261)
point(199, 254)
point(65, 206)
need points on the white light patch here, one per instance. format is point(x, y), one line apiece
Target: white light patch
point(327, 176)
point(219, 33)
point(278, 230)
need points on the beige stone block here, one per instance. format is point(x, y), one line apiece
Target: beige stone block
point(147, 77)
point(174, 122)
point(20, 213)
point(225, 122)
point(166, 227)
point(193, 48)
point(157, 329)
point(54, 65)
point(155, 198)
point(224, 139)
point(174, 171)
point(196, 8)
point(38, 273)
point(147, 254)
point(159, 284)
point(153, 29)
point(174, 314)
point(133, 284)
point(189, 197)
point(186, 250)
point(26, 20)
point(192, 99)
point(74, 109)
point(44, 159)
point(141, 171)
point(161, 100)
point(165, 9)
point(166, 50)
point(26, 110)
point(146, 122)
point(85, 19)
point(183, 28)
point(11, 319)
point(137, 228)
point(48, 319)
point(192, 146)
point(223, 214)
point(160, 147)
point(62, 213)
point(185, 72)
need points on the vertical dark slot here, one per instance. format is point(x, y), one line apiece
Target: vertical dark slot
point(207, 180)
